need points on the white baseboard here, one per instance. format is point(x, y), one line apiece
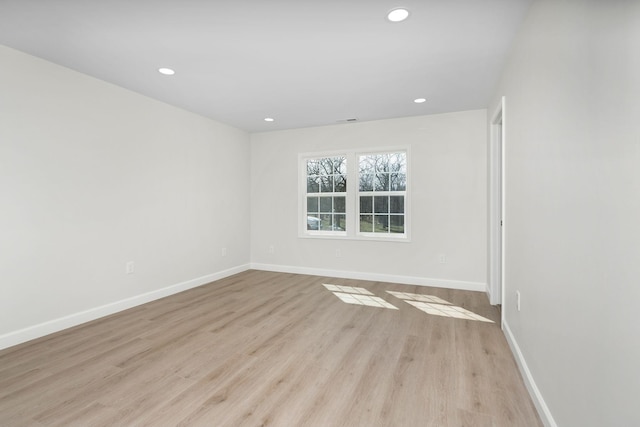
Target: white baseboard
point(358, 275)
point(56, 325)
point(534, 392)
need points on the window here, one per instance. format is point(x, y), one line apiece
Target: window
point(326, 193)
point(357, 195)
point(382, 189)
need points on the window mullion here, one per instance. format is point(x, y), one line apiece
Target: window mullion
point(351, 207)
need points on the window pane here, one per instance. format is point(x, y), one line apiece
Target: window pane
point(366, 223)
point(367, 165)
point(381, 204)
point(398, 162)
point(341, 183)
point(340, 222)
point(366, 204)
point(326, 222)
point(313, 167)
point(326, 166)
point(398, 182)
point(382, 163)
point(382, 182)
point(326, 184)
point(339, 204)
point(381, 223)
point(312, 204)
point(397, 224)
point(325, 204)
point(313, 222)
point(340, 165)
point(396, 204)
point(366, 182)
point(313, 184)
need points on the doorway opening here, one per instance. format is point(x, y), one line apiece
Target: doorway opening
point(496, 215)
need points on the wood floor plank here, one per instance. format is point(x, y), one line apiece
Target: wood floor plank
point(272, 349)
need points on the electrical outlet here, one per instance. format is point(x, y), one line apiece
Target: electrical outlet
point(338, 253)
point(271, 249)
point(224, 252)
point(442, 259)
point(518, 300)
point(129, 267)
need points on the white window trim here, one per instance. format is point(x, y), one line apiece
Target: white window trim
point(352, 197)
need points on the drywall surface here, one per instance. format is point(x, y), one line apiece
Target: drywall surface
point(93, 176)
point(448, 201)
point(572, 88)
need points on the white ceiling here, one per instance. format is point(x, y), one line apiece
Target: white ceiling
point(302, 62)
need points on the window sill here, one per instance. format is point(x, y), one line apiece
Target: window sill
point(366, 238)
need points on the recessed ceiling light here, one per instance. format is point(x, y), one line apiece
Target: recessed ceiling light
point(398, 15)
point(420, 100)
point(166, 71)
point(269, 119)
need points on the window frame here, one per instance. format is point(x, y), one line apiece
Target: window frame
point(325, 194)
point(385, 193)
point(352, 194)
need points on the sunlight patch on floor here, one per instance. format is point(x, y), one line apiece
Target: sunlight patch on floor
point(347, 289)
point(358, 296)
point(448, 311)
point(437, 306)
point(368, 300)
point(418, 297)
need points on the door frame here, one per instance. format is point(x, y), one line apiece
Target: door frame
point(497, 223)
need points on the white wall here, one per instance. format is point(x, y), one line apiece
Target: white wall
point(572, 90)
point(93, 176)
point(448, 167)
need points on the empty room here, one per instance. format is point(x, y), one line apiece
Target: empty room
point(339, 213)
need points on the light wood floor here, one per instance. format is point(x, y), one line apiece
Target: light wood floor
point(271, 349)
